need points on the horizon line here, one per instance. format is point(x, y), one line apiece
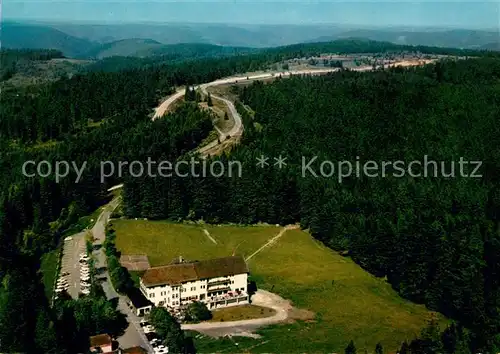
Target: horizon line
point(333, 24)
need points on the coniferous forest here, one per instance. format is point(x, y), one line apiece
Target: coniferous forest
point(435, 239)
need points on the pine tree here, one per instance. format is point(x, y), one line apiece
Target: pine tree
point(351, 348)
point(379, 349)
point(209, 100)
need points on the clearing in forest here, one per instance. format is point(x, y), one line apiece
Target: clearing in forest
point(349, 303)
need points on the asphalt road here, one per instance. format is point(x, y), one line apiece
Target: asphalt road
point(237, 128)
point(134, 335)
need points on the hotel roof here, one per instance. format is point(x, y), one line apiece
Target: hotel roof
point(176, 274)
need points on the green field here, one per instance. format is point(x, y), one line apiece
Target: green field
point(243, 312)
point(349, 303)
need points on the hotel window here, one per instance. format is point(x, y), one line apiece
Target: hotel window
point(152, 295)
point(193, 288)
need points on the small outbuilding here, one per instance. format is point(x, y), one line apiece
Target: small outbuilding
point(101, 343)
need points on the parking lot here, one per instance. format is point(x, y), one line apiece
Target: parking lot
point(74, 273)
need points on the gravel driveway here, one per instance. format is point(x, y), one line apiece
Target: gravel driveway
point(247, 327)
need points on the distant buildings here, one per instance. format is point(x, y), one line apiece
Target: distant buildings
point(217, 282)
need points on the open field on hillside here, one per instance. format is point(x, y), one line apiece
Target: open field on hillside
point(164, 241)
point(349, 303)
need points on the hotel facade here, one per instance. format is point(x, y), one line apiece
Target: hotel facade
point(217, 282)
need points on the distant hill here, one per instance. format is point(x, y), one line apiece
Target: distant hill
point(24, 67)
point(258, 36)
point(124, 47)
point(142, 48)
point(194, 50)
point(140, 40)
point(17, 36)
point(467, 39)
point(162, 33)
point(491, 46)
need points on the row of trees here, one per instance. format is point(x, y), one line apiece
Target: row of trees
point(120, 277)
point(436, 239)
point(169, 331)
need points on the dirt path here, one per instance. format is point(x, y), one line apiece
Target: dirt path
point(273, 240)
point(205, 231)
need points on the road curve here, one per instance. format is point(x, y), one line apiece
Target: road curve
point(237, 129)
point(260, 298)
point(162, 108)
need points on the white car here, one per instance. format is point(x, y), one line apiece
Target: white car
point(69, 238)
point(148, 329)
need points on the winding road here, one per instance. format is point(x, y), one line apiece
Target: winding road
point(237, 128)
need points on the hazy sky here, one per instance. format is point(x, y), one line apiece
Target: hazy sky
point(470, 14)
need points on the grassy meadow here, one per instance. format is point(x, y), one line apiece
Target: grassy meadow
point(348, 302)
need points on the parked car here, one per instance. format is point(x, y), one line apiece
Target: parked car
point(155, 343)
point(148, 329)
